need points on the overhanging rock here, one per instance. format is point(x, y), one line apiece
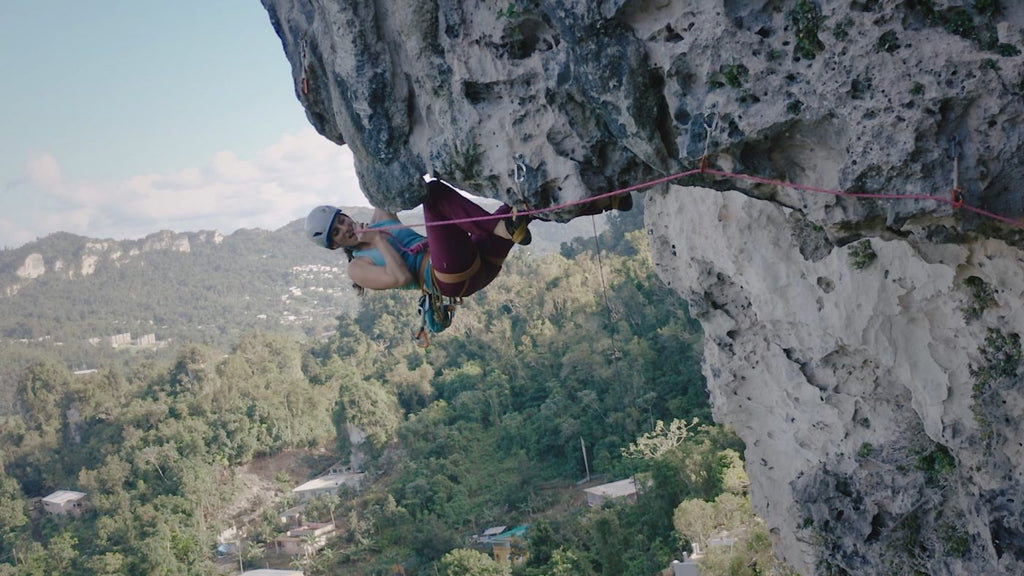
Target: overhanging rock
point(860, 377)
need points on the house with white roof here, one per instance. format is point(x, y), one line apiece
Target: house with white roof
point(328, 483)
point(305, 540)
point(65, 503)
point(598, 495)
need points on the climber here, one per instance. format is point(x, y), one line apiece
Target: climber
point(462, 253)
point(455, 259)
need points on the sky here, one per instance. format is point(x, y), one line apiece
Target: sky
point(123, 118)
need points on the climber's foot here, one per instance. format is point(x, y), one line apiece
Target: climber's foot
point(516, 226)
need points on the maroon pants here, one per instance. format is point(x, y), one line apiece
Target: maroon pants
point(466, 256)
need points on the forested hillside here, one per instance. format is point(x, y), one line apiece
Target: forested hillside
point(194, 287)
point(90, 291)
point(484, 427)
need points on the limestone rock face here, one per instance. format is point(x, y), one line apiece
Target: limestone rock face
point(73, 256)
point(866, 349)
point(33, 267)
point(589, 97)
point(166, 240)
point(879, 404)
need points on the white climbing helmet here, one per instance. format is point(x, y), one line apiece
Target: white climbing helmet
point(318, 224)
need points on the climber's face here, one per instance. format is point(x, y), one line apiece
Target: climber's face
point(343, 233)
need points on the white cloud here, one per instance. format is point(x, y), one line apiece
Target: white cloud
point(309, 163)
point(43, 170)
point(230, 168)
point(191, 177)
point(71, 219)
point(279, 185)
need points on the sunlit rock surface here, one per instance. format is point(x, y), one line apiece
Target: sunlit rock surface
point(73, 256)
point(855, 388)
point(33, 267)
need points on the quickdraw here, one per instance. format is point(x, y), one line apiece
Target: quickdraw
point(304, 83)
point(956, 197)
point(436, 315)
point(709, 130)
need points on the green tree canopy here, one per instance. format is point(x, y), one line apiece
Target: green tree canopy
point(467, 562)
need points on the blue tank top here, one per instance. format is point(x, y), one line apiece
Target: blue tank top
point(403, 240)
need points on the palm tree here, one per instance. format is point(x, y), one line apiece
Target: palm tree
point(323, 564)
point(309, 544)
point(253, 551)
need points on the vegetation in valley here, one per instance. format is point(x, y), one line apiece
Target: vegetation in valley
point(582, 350)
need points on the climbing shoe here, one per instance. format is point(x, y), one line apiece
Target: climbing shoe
point(623, 203)
point(516, 226)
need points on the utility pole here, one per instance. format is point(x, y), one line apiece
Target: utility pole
point(586, 465)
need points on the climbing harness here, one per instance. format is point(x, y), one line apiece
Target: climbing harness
point(436, 314)
point(436, 311)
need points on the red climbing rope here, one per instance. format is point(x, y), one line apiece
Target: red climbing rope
point(955, 198)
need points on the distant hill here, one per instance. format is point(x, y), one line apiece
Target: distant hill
point(191, 286)
point(65, 290)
